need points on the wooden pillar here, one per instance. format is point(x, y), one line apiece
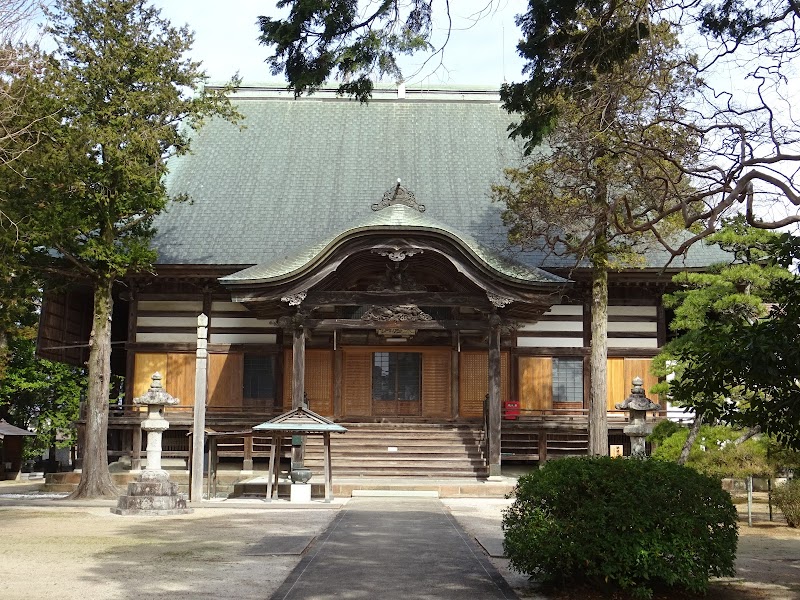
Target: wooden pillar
point(455, 358)
point(298, 365)
point(274, 466)
point(247, 462)
point(328, 477)
point(542, 447)
point(494, 397)
point(337, 383)
point(136, 448)
point(77, 464)
point(298, 378)
point(212, 467)
point(199, 426)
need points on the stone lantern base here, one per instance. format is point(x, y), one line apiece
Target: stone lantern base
point(152, 494)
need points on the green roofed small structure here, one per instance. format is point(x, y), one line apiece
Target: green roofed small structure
point(299, 422)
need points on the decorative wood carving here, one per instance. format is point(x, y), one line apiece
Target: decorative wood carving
point(395, 332)
point(499, 301)
point(396, 280)
point(397, 194)
point(403, 312)
point(397, 254)
point(295, 299)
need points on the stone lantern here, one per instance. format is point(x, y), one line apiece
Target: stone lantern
point(153, 493)
point(638, 429)
point(155, 399)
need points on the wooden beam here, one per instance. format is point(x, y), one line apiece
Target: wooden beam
point(327, 324)
point(387, 298)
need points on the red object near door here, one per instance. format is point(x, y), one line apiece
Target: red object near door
point(511, 410)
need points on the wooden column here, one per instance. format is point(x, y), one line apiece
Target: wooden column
point(494, 397)
point(298, 365)
point(199, 426)
point(247, 461)
point(328, 477)
point(274, 467)
point(298, 378)
point(542, 447)
point(136, 448)
point(337, 383)
point(455, 356)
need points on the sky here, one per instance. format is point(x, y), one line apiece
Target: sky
point(481, 52)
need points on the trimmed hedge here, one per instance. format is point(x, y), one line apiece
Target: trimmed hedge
point(787, 498)
point(628, 523)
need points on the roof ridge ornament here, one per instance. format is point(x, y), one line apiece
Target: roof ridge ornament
point(397, 194)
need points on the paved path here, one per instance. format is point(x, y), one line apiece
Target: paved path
point(394, 548)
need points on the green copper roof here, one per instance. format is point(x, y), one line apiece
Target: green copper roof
point(398, 218)
point(306, 170)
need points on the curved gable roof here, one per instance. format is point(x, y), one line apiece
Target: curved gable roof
point(398, 219)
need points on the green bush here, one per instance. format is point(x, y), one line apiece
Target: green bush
point(714, 452)
point(628, 523)
point(787, 498)
point(663, 430)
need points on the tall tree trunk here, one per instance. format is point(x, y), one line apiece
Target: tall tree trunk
point(687, 445)
point(3, 353)
point(598, 415)
point(96, 479)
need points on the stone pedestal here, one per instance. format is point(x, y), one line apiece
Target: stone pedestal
point(153, 493)
point(300, 492)
point(152, 496)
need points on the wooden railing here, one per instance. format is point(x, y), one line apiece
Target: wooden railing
point(185, 413)
point(576, 415)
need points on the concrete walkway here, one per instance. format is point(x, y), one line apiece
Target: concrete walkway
point(394, 548)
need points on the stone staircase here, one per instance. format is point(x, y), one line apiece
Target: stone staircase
point(401, 450)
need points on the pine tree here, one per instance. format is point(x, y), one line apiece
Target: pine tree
point(602, 186)
point(118, 98)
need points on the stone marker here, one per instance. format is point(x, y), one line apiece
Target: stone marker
point(153, 493)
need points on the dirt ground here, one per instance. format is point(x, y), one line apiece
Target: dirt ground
point(56, 549)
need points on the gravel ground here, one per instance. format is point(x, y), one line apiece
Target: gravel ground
point(57, 549)
point(87, 553)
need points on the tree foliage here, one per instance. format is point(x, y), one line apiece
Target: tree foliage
point(569, 47)
point(715, 452)
point(607, 164)
point(734, 293)
point(117, 98)
point(746, 372)
point(42, 395)
point(18, 289)
point(346, 39)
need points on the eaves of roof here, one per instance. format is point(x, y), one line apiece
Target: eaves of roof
point(398, 219)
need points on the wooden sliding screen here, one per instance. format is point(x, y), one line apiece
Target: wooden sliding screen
point(621, 372)
point(473, 381)
point(177, 374)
